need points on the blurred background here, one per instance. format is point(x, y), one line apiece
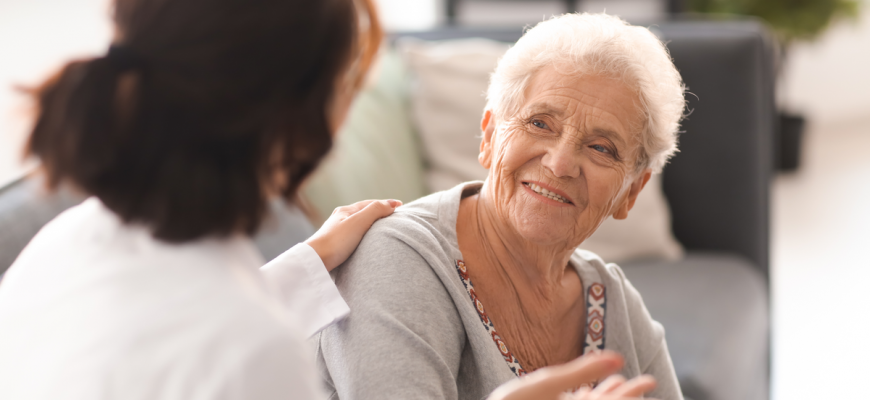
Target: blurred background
point(808, 211)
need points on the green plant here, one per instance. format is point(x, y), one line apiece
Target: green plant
point(790, 19)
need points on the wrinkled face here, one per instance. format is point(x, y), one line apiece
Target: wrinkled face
point(566, 161)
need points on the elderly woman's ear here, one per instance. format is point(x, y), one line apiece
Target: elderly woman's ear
point(627, 202)
point(487, 127)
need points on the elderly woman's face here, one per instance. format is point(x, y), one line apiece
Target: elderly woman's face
point(566, 161)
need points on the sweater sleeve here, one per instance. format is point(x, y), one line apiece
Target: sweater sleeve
point(405, 337)
point(650, 345)
point(662, 368)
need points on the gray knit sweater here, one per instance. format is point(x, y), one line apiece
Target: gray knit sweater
point(414, 332)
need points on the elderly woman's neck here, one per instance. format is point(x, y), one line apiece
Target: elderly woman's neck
point(486, 238)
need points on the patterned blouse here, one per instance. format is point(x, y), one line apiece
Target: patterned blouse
point(596, 305)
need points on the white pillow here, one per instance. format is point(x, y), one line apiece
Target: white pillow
point(449, 82)
point(447, 100)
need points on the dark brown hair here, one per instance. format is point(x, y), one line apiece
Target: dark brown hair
point(203, 109)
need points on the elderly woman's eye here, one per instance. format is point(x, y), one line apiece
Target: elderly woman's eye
point(600, 148)
point(540, 124)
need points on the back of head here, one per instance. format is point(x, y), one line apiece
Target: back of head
point(202, 109)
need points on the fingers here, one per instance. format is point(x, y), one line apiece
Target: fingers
point(554, 382)
point(615, 387)
point(610, 384)
point(582, 370)
point(374, 210)
point(360, 205)
point(583, 393)
point(341, 233)
point(551, 382)
point(352, 208)
point(635, 387)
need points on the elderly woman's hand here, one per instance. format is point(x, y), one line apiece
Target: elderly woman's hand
point(341, 233)
point(553, 383)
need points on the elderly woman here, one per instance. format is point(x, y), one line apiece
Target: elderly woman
point(465, 289)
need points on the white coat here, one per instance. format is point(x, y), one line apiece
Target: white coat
point(97, 309)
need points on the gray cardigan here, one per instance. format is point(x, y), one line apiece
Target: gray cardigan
point(414, 333)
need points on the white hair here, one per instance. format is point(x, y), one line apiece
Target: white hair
point(599, 44)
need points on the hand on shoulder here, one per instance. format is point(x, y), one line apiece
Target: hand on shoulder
point(341, 233)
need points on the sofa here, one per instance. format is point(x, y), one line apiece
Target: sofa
point(712, 297)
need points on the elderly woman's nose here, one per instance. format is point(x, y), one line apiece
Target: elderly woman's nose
point(563, 161)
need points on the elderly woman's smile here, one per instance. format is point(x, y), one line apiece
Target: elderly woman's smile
point(548, 193)
point(558, 166)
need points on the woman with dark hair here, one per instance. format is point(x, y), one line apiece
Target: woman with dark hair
point(200, 112)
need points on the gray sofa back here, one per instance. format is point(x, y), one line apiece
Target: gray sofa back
point(718, 186)
point(25, 206)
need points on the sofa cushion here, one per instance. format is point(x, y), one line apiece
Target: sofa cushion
point(714, 308)
point(376, 154)
point(449, 84)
